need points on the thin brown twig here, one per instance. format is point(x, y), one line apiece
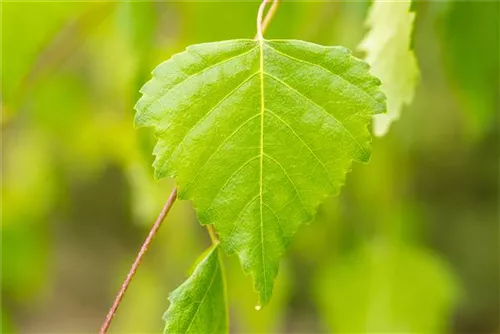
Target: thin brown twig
point(263, 24)
point(138, 259)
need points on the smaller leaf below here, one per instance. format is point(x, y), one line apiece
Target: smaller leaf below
point(199, 304)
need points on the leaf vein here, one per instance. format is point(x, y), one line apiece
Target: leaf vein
point(165, 91)
point(289, 179)
point(203, 298)
point(280, 228)
point(229, 238)
point(319, 107)
point(230, 178)
point(262, 108)
point(371, 98)
point(218, 149)
point(303, 142)
point(209, 113)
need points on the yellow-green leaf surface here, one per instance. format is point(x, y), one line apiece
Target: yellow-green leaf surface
point(199, 304)
point(257, 134)
point(384, 287)
point(387, 47)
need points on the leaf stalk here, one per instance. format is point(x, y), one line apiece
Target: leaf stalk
point(263, 24)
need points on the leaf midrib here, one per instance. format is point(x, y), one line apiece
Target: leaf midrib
point(262, 109)
point(205, 294)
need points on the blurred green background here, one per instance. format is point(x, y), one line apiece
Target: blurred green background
point(410, 246)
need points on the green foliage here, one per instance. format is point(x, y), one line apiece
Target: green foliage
point(380, 288)
point(69, 82)
point(199, 304)
point(257, 134)
point(387, 47)
point(475, 81)
point(29, 57)
point(24, 243)
point(5, 324)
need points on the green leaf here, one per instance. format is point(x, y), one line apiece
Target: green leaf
point(387, 47)
point(199, 304)
point(387, 287)
point(474, 79)
point(46, 24)
point(257, 134)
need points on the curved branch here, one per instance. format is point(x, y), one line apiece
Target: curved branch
point(137, 262)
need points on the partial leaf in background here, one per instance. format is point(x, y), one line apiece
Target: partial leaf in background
point(199, 304)
point(138, 27)
point(472, 30)
point(387, 47)
point(387, 287)
point(51, 29)
point(25, 247)
point(5, 322)
point(257, 134)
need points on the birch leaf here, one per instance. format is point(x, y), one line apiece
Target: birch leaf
point(387, 47)
point(199, 304)
point(257, 133)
